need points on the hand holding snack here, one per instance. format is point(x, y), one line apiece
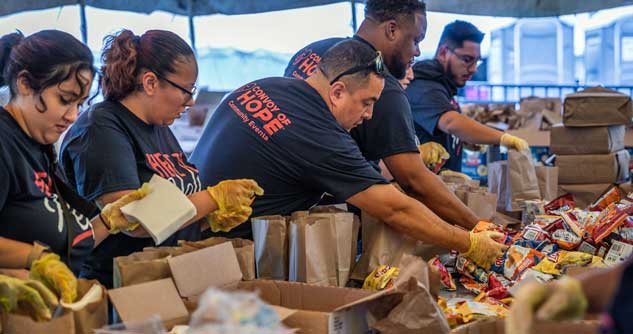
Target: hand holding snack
point(433, 155)
point(234, 199)
point(484, 249)
point(56, 276)
point(563, 299)
point(113, 216)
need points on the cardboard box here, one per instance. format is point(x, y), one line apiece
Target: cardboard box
point(588, 169)
point(593, 140)
point(584, 194)
point(496, 326)
point(536, 109)
point(597, 107)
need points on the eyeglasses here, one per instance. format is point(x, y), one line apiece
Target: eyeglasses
point(190, 93)
point(377, 65)
point(467, 60)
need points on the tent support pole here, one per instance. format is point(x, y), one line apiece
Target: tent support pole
point(192, 30)
point(354, 19)
point(84, 25)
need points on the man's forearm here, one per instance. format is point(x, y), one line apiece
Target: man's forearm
point(469, 130)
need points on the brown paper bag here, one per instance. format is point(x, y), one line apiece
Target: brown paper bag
point(513, 181)
point(483, 204)
point(385, 246)
point(244, 249)
point(84, 321)
point(271, 247)
point(312, 251)
point(140, 267)
point(547, 182)
point(345, 234)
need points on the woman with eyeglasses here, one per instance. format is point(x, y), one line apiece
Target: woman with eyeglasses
point(147, 82)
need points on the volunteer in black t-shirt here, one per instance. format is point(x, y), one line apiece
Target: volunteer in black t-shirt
point(292, 137)
point(394, 28)
point(436, 113)
point(116, 146)
point(48, 75)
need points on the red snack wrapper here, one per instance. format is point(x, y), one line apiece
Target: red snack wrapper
point(484, 225)
point(445, 277)
point(611, 196)
point(518, 259)
point(472, 285)
point(626, 231)
point(468, 268)
point(610, 223)
point(560, 204)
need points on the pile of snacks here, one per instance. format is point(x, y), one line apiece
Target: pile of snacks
point(558, 238)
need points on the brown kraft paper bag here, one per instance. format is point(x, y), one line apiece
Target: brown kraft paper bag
point(385, 246)
point(148, 265)
point(513, 181)
point(345, 233)
point(547, 182)
point(482, 203)
point(271, 247)
point(312, 251)
point(244, 249)
point(83, 320)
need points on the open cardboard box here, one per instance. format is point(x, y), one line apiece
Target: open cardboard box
point(311, 309)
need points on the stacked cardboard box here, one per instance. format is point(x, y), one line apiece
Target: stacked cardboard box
point(590, 143)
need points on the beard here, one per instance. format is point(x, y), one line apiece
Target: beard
point(396, 66)
point(454, 78)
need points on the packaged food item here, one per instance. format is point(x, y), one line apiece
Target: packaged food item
point(556, 263)
point(586, 247)
point(531, 209)
point(618, 252)
point(611, 196)
point(571, 224)
point(468, 268)
point(537, 275)
point(484, 225)
point(533, 232)
point(381, 278)
point(609, 222)
point(626, 231)
point(471, 285)
point(445, 277)
point(516, 260)
point(560, 204)
point(566, 240)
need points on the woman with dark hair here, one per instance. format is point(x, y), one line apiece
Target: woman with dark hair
point(147, 81)
point(49, 75)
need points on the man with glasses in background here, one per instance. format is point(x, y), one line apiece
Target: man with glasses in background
point(431, 94)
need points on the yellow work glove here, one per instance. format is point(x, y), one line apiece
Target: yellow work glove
point(234, 199)
point(455, 174)
point(484, 250)
point(563, 299)
point(27, 297)
point(432, 154)
point(113, 216)
point(513, 142)
point(56, 276)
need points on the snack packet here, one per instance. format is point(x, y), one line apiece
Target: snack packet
point(560, 204)
point(381, 278)
point(611, 196)
point(445, 277)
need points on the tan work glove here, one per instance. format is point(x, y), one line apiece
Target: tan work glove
point(455, 174)
point(234, 199)
point(27, 297)
point(432, 154)
point(113, 216)
point(563, 299)
point(514, 143)
point(484, 250)
point(56, 276)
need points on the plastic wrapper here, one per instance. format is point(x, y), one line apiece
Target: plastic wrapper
point(625, 231)
point(468, 268)
point(237, 310)
point(381, 278)
point(611, 196)
point(556, 264)
point(608, 221)
point(531, 209)
point(566, 240)
point(536, 275)
point(516, 260)
point(533, 232)
point(445, 277)
point(471, 285)
point(544, 247)
point(483, 225)
point(560, 204)
point(572, 224)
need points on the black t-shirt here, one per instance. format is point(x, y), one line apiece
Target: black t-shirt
point(431, 94)
point(109, 149)
point(29, 207)
point(280, 132)
point(390, 131)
